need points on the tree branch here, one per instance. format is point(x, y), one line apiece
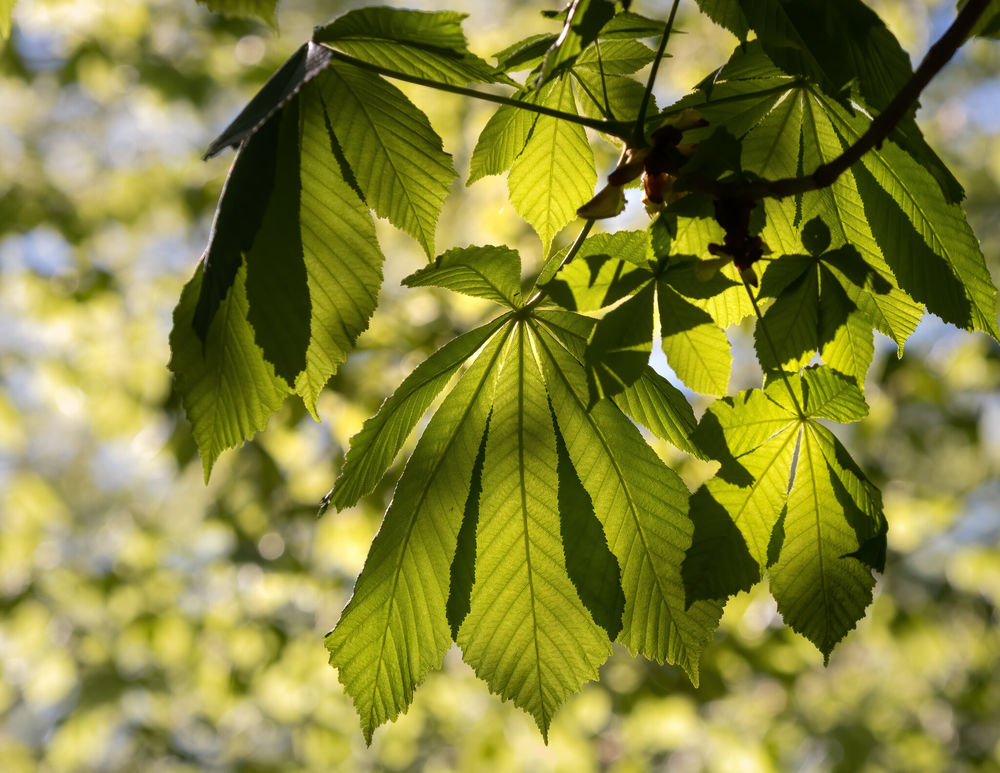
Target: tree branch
point(878, 131)
point(618, 129)
point(639, 131)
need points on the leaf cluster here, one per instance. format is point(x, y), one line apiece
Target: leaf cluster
point(533, 524)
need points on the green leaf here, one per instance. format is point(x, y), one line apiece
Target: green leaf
point(872, 288)
point(696, 347)
point(555, 173)
point(926, 240)
point(583, 22)
point(642, 505)
point(624, 96)
point(376, 445)
point(988, 25)
point(821, 589)
point(619, 348)
point(487, 272)
point(615, 57)
point(590, 563)
point(427, 45)
point(628, 25)
point(660, 407)
point(525, 53)
point(463, 565)
point(395, 627)
point(394, 153)
point(527, 633)
point(736, 425)
point(227, 388)
point(502, 140)
point(727, 14)
point(596, 280)
point(300, 68)
point(733, 523)
point(262, 9)
point(277, 284)
point(342, 258)
point(828, 395)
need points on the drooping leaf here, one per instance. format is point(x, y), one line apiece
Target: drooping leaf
point(424, 44)
point(487, 272)
point(262, 9)
point(376, 445)
point(527, 634)
point(302, 66)
point(394, 153)
point(277, 285)
point(342, 258)
point(554, 174)
point(395, 627)
point(228, 389)
point(642, 505)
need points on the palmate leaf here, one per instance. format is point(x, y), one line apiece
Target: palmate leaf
point(228, 389)
point(527, 634)
point(641, 504)
point(817, 523)
point(376, 445)
point(395, 627)
point(554, 174)
point(392, 150)
point(425, 44)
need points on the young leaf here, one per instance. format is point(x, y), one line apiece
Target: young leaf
point(555, 173)
point(395, 627)
point(642, 505)
point(342, 258)
point(376, 445)
point(394, 153)
point(527, 633)
point(228, 389)
point(487, 272)
point(427, 45)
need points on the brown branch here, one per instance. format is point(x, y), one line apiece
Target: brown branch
point(878, 131)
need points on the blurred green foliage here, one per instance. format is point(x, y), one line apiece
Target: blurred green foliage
point(151, 623)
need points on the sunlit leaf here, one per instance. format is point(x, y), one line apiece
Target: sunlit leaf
point(395, 627)
point(394, 153)
point(527, 633)
point(487, 272)
point(554, 174)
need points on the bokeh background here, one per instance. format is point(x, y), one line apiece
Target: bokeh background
point(149, 622)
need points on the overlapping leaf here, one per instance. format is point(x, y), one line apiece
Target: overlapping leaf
point(527, 634)
point(788, 498)
point(554, 174)
point(428, 45)
point(487, 272)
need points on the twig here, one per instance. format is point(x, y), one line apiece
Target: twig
point(620, 129)
point(639, 130)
